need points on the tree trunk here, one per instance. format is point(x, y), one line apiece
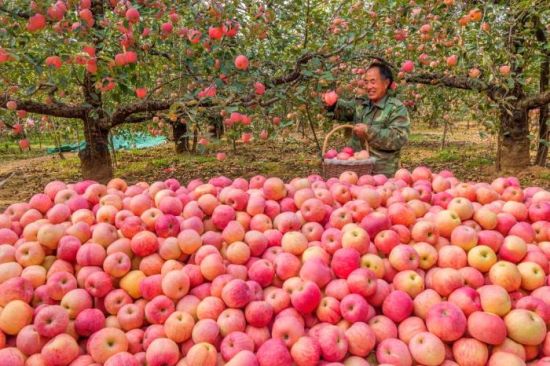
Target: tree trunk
point(215, 127)
point(514, 133)
point(544, 83)
point(95, 158)
point(544, 136)
point(179, 130)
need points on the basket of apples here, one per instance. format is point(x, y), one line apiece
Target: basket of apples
point(336, 162)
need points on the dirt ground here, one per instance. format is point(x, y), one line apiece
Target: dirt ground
point(469, 155)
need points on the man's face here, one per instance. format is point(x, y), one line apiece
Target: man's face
point(377, 86)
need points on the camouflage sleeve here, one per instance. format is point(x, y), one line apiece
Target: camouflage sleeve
point(344, 110)
point(395, 135)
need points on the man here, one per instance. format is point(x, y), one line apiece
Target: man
point(382, 120)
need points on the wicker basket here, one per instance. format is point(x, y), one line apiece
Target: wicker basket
point(332, 168)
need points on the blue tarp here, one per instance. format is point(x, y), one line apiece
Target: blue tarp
point(120, 142)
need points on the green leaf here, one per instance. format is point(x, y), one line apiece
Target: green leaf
point(31, 90)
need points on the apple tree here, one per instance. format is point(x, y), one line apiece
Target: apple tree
point(498, 50)
point(107, 63)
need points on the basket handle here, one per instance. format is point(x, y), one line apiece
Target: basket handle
point(331, 132)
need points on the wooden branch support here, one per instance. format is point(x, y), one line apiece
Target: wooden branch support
point(2, 182)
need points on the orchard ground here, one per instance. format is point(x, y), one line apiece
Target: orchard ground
point(468, 155)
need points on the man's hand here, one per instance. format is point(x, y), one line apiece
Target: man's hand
point(360, 130)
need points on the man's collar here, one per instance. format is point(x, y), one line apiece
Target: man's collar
point(380, 104)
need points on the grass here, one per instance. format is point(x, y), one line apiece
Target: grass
point(479, 161)
point(446, 156)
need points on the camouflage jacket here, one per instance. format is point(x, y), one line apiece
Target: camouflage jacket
point(388, 129)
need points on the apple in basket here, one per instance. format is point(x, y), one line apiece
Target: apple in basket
point(348, 150)
point(343, 156)
point(361, 155)
point(331, 154)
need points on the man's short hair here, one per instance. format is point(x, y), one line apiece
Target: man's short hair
point(384, 69)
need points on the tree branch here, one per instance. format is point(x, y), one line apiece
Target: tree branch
point(495, 92)
point(297, 69)
point(535, 101)
point(55, 109)
point(457, 82)
point(155, 52)
point(15, 13)
point(139, 119)
point(122, 113)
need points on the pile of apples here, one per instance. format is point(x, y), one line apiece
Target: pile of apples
point(417, 269)
point(346, 153)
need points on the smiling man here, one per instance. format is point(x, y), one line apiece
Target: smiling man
point(382, 120)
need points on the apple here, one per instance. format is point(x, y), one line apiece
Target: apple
point(525, 327)
point(89, 321)
point(201, 354)
point(51, 321)
point(386, 240)
point(410, 327)
point(274, 353)
point(404, 257)
point(495, 299)
point(123, 358)
point(163, 351)
point(536, 305)
point(345, 261)
point(287, 329)
point(394, 352)
point(445, 280)
point(427, 349)
point(532, 275)
point(505, 358)
point(407, 66)
point(231, 320)
point(330, 98)
point(333, 343)
point(361, 339)
point(12, 356)
point(15, 315)
point(424, 301)
point(506, 275)
point(383, 328)
point(362, 281)
point(397, 306)
point(482, 258)
point(504, 70)
point(354, 308)
point(241, 62)
point(356, 238)
point(486, 327)
point(105, 343)
point(236, 294)
point(29, 341)
point(306, 351)
point(234, 343)
point(446, 321)
point(470, 351)
point(175, 284)
point(425, 231)
point(446, 221)
point(513, 249)
point(464, 237)
point(60, 350)
point(306, 298)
